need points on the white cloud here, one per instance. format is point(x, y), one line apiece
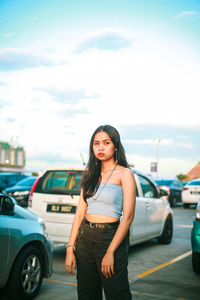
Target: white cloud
point(186, 145)
point(166, 142)
point(188, 13)
point(148, 141)
point(16, 59)
point(111, 39)
point(66, 95)
point(9, 34)
point(123, 87)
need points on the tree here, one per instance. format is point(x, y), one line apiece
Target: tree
point(182, 177)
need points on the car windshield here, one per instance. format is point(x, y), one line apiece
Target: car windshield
point(194, 182)
point(2, 178)
point(26, 182)
point(61, 182)
point(164, 182)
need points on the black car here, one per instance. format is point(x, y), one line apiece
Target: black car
point(10, 179)
point(174, 189)
point(21, 190)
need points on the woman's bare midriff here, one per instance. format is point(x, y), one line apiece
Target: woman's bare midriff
point(95, 218)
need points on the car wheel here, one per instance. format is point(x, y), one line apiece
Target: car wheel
point(26, 275)
point(196, 262)
point(167, 233)
point(186, 205)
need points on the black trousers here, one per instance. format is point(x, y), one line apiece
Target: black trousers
point(91, 247)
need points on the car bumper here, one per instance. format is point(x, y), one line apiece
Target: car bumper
point(190, 199)
point(58, 232)
point(49, 258)
point(195, 236)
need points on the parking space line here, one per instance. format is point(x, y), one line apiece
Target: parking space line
point(61, 282)
point(73, 283)
point(141, 275)
point(165, 264)
point(50, 280)
point(185, 226)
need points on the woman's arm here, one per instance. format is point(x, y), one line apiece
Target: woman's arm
point(70, 261)
point(129, 197)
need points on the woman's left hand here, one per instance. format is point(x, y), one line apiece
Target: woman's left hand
point(107, 264)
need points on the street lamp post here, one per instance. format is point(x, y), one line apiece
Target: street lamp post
point(157, 141)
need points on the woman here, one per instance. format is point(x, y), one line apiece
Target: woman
point(108, 192)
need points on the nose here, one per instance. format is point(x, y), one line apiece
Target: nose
point(100, 147)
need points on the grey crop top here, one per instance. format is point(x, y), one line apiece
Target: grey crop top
point(108, 201)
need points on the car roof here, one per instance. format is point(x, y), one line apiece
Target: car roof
point(27, 178)
point(82, 169)
point(137, 172)
point(142, 173)
point(167, 179)
point(6, 173)
point(196, 179)
point(193, 180)
point(64, 169)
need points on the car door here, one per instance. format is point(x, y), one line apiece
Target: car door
point(4, 248)
point(154, 208)
point(137, 230)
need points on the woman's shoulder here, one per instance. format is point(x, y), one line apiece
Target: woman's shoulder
point(124, 172)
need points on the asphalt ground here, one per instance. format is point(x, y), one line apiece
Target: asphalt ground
point(155, 271)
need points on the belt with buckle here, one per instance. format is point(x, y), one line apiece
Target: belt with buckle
point(101, 225)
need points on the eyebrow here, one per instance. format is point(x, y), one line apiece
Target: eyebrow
point(103, 140)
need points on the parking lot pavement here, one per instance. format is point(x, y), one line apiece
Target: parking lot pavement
point(169, 283)
point(174, 281)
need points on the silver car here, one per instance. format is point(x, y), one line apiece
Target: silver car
point(25, 250)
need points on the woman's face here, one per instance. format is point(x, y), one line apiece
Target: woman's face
point(103, 147)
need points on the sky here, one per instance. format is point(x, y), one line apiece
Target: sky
point(67, 67)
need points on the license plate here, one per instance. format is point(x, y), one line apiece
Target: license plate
point(61, 208)
point(195, 192)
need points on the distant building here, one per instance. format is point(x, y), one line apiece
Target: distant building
point(11, 156)
point(194, 172)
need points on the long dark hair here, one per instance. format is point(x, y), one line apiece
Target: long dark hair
point(92, 174)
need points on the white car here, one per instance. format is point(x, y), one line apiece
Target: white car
point(191, 192)
point(55, 196)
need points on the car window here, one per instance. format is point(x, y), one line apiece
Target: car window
point(179, 184)
point(148, 189)
point(2, 178)
point(11, 179)
point(175, 184)
point(194, 182)
point(26, 182)
point(164, 182)
point(60, 182)
point(136, 191)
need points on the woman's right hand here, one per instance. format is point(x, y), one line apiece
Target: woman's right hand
point(70, 261)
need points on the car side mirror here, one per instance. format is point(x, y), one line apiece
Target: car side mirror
point(7, 204)
point(164, 193)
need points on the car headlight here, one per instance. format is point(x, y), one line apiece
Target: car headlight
point(198, 212)
point(20, 193)
point(41, 222)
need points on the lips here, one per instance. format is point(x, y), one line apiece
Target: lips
point(100, 154)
